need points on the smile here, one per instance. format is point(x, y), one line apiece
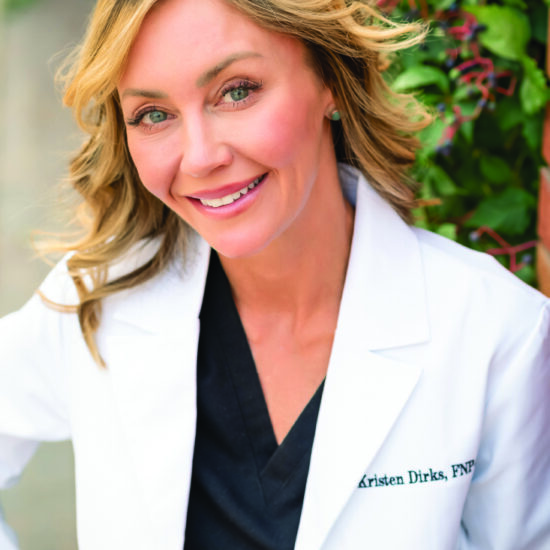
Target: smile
point(232, 197)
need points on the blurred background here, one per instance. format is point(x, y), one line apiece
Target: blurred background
point(37, 138)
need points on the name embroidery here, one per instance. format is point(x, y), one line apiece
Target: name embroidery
point(412, 477)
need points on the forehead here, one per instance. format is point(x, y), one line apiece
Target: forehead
point(195, 34)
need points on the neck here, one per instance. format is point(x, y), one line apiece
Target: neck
point(304, 269)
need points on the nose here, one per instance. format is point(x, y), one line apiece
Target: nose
point(203, 148)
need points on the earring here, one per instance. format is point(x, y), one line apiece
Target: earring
point(335, 115)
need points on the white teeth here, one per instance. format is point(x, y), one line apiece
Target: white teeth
point(213, 202)
point(228, 199)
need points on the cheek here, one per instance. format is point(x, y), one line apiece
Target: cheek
point(284, 134)
point(157, 164)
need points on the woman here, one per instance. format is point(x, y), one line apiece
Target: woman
point(301, 369)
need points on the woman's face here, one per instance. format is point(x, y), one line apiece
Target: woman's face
point(226, 123)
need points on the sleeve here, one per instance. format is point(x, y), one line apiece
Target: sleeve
point(508, 505)
point(33, 384)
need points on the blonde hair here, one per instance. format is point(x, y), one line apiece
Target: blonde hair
point(346, 40)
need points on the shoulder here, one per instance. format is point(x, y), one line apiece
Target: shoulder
point(461, 266)
point(59, 285)
point(174, 292)
point(426, 284)
point(480, 293)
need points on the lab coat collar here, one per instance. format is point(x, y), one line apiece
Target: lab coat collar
point(384, 291)
point(160, 305)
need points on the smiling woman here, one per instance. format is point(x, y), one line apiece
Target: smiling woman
point(234, 139)
point(250, 344)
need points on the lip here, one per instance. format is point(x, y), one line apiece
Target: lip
point(218, 193)
point(228, 210)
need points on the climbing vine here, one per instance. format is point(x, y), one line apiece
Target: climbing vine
point(481, 71)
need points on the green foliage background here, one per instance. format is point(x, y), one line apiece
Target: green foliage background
point(487, 173)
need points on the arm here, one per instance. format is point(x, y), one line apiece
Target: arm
point(508, 506)
point(32, 390)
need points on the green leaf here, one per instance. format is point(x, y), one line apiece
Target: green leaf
point(429, 99)
point(420, 220)
point(430, 138)
point(443, 184)
point(426, 191)
point(420, 76)
point(508, 30)
point(468, 108)
point(495, 169)
point(467, 130)
point(509, 114)
point(464, 92)
point(538, 16)
point(532, 132)
point(533, 92)
point(447, 230)
point(509, 212)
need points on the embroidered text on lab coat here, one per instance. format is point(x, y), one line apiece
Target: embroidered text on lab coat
point(413, 477)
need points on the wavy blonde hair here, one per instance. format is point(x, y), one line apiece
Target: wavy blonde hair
point(347, 41)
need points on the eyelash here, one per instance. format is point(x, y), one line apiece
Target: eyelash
point(136, 120)
point(243, 84)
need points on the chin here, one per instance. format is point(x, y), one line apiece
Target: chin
point(243, 246)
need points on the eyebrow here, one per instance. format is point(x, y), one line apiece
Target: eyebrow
point(137, 92)
point(209, 75)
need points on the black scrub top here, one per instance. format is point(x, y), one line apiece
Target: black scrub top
point(246, 491)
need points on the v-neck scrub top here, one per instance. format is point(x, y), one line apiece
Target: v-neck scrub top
point(246, 491)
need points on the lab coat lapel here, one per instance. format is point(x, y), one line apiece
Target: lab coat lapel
point(383, 306)
point(152, 359)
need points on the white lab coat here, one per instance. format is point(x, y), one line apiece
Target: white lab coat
point(433, 431)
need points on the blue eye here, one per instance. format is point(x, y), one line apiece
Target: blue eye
point(148, 118)
point(238, 94)
point(154, 117)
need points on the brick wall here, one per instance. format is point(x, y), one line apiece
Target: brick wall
point(543, 249)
